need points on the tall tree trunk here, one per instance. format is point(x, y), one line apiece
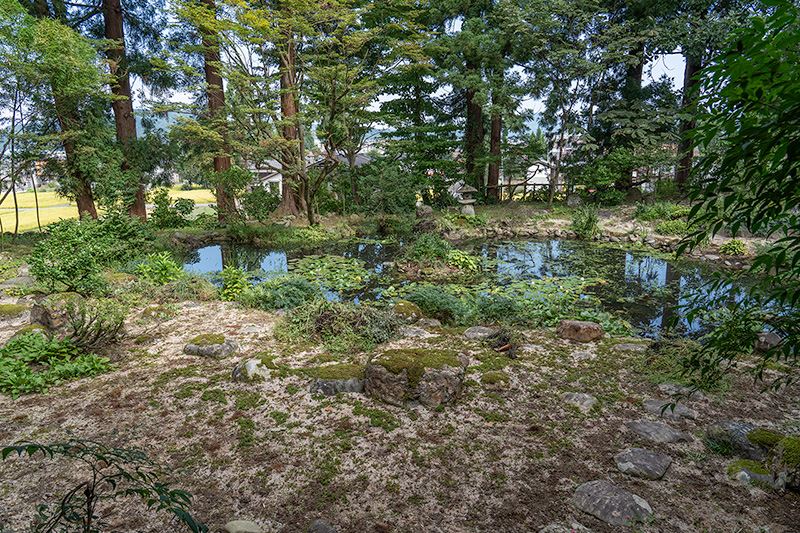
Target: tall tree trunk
point(495, 139)
point(216, 110)
point(122, 104)
point(632, 92)
point(685, 148)
point(291, 195)
point(473, 142)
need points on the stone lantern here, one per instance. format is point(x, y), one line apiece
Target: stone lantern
point(467, 200)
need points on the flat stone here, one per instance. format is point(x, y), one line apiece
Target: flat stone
point(320, 526)
point(531, 348)
point(242, 526)
point(424, 211)
point(332, 387)
point(582, 401)
point(675, 389)
point(611, 504)
point(642, 463)
point(656, 431)
point(660, 408)
point(734, 434)
point(570, 527)
point(478, 333)
point(251, 371)
point(428, 323)
point(19, 280)
point(217, 351)
point(579, 330)
point(629, 347)
point(582, 356)
point(414, 332)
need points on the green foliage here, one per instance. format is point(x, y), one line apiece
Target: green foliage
point(439, 303)
point(585, 222)
point(75, 251)
point(733, 247)
point(168, 213)
point(93, 323)
point(32, 363)
point(160, 268)
point(259, 203)
point(660, 211)
point(459, 220)
point(113, 473)
point(281, 292)
point(333, 272)
point(463, 261)
point(341, 327)
point(748, 178)
point(497, 308)
point(234, 283)
point(673, 227)
point(428, 247)
point(385, 187)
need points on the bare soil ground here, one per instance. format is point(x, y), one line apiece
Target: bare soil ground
point(506, 459)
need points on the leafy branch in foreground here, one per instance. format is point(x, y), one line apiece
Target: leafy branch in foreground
point(749, 178)
point(112, 473)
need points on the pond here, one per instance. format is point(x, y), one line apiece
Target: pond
point(640, 287)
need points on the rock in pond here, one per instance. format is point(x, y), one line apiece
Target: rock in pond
point(664, 410)
point(611, 504)
point(478, 333)
point(579, 330)
point(333, 379)
point(642, 463)
point(656, 431)
point(211, 345)
point(433, 377)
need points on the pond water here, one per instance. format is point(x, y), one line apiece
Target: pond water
point(641, 288)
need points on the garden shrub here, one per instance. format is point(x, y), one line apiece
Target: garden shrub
point(169, 213)
point(429, 247)
point(281, 292)
point(113, 473)
point(92, 323)
point(440, 304)
point(660, 211)
point(733, 247)
point(32, 363)
point(341, 327)
point(259, 203)
point(160, 268)
point(385, 187)
point(673, 227)
point(585, 222)
point(234, 283)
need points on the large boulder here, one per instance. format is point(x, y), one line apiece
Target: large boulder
point(732, 435)
point(579, 330)
point(333, 379)
point(54, 311)
point(211, 345)
point(766, 341)
point(432, 377)
point(15, 315)
point(424, 211)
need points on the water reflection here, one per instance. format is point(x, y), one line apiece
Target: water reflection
point(640, 288)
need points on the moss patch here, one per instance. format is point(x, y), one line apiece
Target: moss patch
point(159, 312)
point(493, 378)
point(790, 451)
point(764, 437)
point(32, 328)
point(340, 371)
point(414, 361)
point(208, 339)
point(12, 310)
point(407, 310)
point(120, 278)
point(742, 464)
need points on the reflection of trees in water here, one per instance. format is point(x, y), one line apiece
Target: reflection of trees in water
point(246, 258)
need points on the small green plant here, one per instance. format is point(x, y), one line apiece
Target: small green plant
point(113, 473)
point(673, 227)
point(160, 268)
point(438, 303)
point(585, 222)
point(281, 292)
point(430, 248)
point(733, 247)
point(463, 261)
point(234, 283)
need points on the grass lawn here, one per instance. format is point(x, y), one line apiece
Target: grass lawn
point(200, 196)
point(27, 200)
point(27, 219)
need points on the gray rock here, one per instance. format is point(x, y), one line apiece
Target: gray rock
point(15, 315)
point(531, 348)
point(571, 527)
point(611, 504)
point(242, 526)
point(217, 351)
point(428, 323)
point(414, 332)
point(332, 387)
point(478, 333)
point(642, 463)
point(733, 434)
point(320, 526)
point(629, 347)
point(579, 330)
point(19, 280)
point(53, 312)
point(435, 387)
point(656, 431)
point(604, 213)
point(766, 341)
point(424, 211)
point(675, 389)
point(251, 371)
point(468, 210)
point(582, 401)
point(660, 408)
point(761, 480)
point(711, 257)
point(573, 200)
point(582, 356)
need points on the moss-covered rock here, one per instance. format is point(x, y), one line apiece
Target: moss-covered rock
point(340, 371)
point(158, 312)
point(120, 278)
point(207, 339)
point(764, 437)
point(32, 328)
point(789, 451)
point(433, 377)
point(334, 379)
point(495, 378)
point(407, 310)
point(746, 464)
point(211, 345)
point(10, 311)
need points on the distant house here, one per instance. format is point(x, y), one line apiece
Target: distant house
point(271, 177)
